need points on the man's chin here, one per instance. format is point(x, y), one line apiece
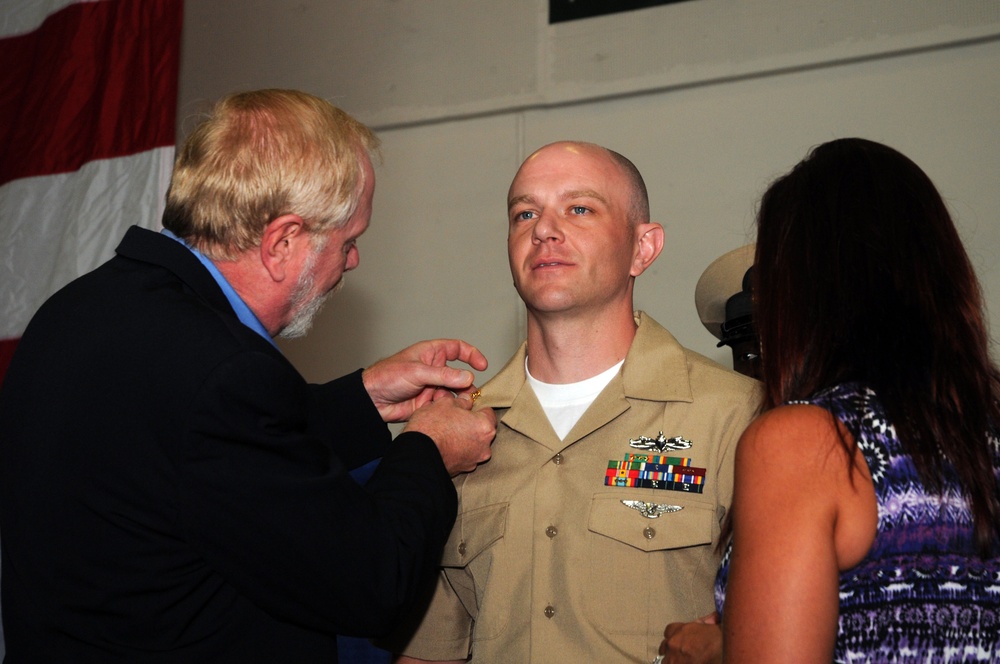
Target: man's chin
point(303, 319)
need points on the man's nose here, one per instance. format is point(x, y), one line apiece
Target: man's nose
point(547, 228)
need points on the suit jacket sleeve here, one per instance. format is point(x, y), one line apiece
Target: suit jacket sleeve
point(343, 406)
point(272, 508)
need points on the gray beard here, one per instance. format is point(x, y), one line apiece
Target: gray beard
point(306, 308)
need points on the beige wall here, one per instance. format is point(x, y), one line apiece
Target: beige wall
point(710, 98)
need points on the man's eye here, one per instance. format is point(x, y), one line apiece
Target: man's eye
point(579, 209)
point(524, 216)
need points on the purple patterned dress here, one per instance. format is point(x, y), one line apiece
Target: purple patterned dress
point(921, 594)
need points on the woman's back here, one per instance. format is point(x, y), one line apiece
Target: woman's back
point(921, 594)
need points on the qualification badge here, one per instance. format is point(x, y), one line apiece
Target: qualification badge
point(660, 443)
point(651, 510)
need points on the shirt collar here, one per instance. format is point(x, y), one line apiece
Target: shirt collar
point(243, 312)
point(655, 369)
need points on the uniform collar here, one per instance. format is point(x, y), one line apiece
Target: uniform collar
point(655, 369)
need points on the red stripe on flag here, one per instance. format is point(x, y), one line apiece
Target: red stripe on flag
point(7, 347)
point(96, 80)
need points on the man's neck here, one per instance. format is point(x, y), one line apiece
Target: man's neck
point(564, 349)
point(249, 280)
point(224, 277)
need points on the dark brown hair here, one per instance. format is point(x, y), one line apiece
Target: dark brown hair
point(860, 275)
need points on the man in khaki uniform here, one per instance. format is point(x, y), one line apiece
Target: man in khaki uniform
point(595, 523)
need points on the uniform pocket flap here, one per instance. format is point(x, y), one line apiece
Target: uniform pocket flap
point(473, 533)
point(651, 524)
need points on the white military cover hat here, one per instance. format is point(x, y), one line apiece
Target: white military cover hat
point(720, 281)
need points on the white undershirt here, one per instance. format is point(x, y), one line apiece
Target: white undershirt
point(564, 404)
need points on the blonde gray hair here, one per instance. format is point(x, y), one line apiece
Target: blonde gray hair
point(260, 155)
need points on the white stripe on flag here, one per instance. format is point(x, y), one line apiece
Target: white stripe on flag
point(57, 227)
point(87, 116)
point(21, 16)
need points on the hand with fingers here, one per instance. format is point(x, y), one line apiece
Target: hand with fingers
point(419, 374)
point(696, 642)
point(463, 436)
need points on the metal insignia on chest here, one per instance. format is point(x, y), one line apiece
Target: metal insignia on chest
point(651, 510)
point(660, 443)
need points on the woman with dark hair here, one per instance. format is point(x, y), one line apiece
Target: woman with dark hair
point(866, 515)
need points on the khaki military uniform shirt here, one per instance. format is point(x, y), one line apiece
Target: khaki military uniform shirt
point(545, 562)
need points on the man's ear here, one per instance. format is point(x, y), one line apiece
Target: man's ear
point(649, 244)
point(283, 238)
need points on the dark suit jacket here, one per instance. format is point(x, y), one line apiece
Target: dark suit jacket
point(172, 490)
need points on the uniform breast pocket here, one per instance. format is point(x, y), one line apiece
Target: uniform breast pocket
point(647, 553)
point(474, 559)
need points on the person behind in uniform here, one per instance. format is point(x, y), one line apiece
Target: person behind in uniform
point(724, 302)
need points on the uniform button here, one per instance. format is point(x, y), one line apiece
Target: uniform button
point(551, 531)
point(550, 611)
point(649, 533)
point(461, 549)
point(557, 459)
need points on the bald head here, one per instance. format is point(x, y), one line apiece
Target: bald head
point(638, 198)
